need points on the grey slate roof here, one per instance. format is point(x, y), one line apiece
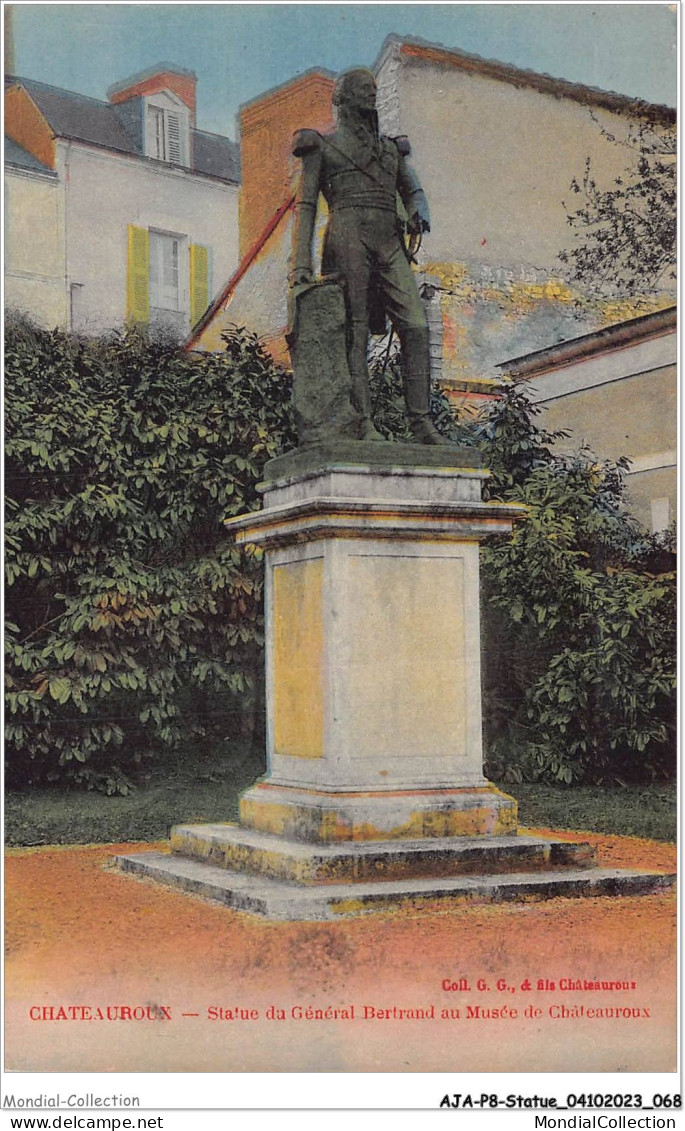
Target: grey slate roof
point(81, 118)
point(16, 155)
point(216, 155)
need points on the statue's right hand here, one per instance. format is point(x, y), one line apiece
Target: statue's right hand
point(301, 276)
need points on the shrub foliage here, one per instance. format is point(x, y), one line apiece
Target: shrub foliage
point(578, 605)
point(580, 615)
point(135, 624)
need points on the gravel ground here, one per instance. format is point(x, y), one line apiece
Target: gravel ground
point(83, 937)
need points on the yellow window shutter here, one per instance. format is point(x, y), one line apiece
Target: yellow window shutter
point(138, 287)
point(199, 281)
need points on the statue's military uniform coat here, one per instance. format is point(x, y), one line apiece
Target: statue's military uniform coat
point(360, 180)
point(360, 174)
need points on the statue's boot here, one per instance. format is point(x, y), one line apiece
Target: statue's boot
point(416, 377)
point(368, 430)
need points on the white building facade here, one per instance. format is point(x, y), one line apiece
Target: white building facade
point(118, 210)
point(34, 237)
point(615, 391)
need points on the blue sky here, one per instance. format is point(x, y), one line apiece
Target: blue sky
point(239, 50)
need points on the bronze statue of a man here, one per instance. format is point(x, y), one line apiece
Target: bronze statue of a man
point(359, 173)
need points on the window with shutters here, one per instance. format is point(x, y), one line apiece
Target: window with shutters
point(155, 126)
point(166, 130)
point(199, 281)
point(174, 140)
point(168, 279)
point(138, 274)
point(164, 273)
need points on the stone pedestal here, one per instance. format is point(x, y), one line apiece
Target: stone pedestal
point(375, 790)
point(373, 649)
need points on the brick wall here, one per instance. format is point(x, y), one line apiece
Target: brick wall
point(266, 128)
point(25, 124)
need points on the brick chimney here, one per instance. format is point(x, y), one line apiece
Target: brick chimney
point(163, 76)
point(267, 125)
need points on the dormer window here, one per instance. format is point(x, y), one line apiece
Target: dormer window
point(166, 129)
point(156, 140)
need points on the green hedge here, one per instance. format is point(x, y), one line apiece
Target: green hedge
point(579, 613)
point(133, 622)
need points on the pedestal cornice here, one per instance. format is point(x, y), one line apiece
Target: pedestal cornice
point(313, 519)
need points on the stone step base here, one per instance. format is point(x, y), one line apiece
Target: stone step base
point(278, 899)
point(263, 854)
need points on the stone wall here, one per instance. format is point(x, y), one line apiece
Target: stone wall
point(35, 265)
point(616, 392)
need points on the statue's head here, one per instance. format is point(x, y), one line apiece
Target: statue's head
point(356, 90)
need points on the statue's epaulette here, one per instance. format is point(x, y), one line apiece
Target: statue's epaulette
point(403, 146)
point(304, 141)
